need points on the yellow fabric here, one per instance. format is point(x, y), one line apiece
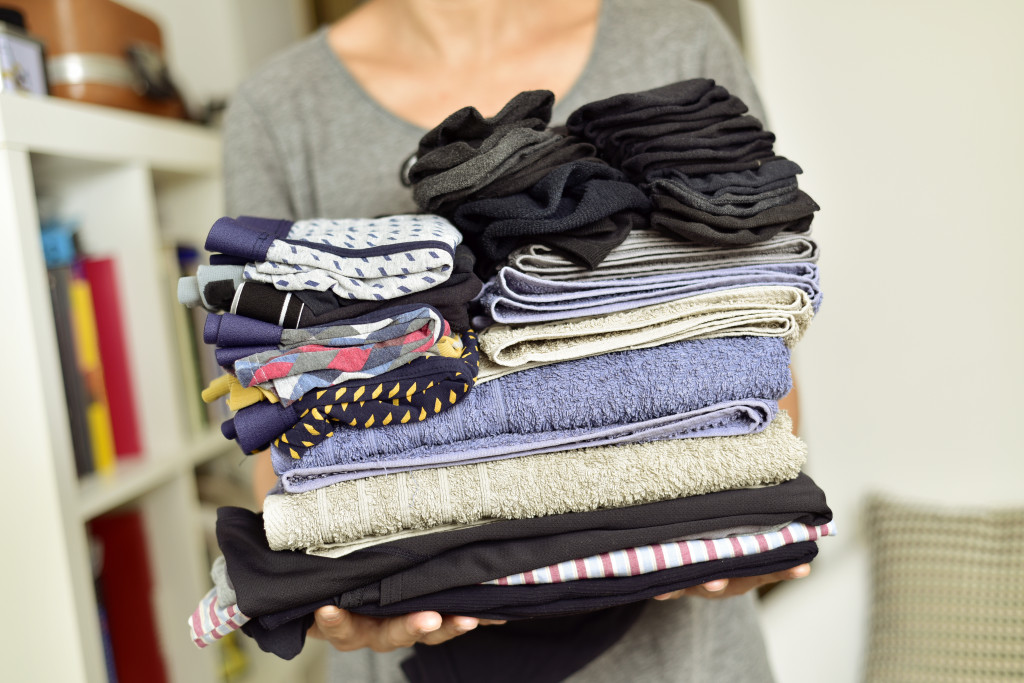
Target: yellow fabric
point(449, 347)
point(238, 396)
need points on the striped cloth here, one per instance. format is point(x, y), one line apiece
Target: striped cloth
point(211, 622)
point(669, 555)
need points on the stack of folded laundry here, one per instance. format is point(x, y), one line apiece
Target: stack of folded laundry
point(374, 351)
point(623, 439)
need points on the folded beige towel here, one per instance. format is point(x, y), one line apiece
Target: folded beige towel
point(532, 486)
point(747, 311)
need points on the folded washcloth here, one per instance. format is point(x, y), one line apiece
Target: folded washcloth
point(356, 258)
point(548, 484)
point(642, 394)
point(652, 252)
point(748, 311)
point(514, 297)
point(315, 357)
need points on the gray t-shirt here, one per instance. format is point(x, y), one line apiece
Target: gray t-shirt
point(302, 139)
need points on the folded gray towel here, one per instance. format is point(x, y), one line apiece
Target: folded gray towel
point(783, 312)
point(650, 252)
point(532, 486)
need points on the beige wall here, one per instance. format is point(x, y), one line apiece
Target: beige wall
point(906, 119)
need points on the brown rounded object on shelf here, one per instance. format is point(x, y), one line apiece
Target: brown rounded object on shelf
point(87, 45)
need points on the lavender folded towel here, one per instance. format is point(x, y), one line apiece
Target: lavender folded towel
point(548, 404)
point(651, 252)
point(514, 297)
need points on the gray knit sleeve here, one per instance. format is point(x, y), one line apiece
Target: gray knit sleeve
point(724, 62)
point(255, 176)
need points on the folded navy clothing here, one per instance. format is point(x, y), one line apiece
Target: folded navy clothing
point(268, 581)
point(262, 301)
point(537, 650)
point(257, 426)
point(284, 633)
point(570, 199)
point(238, 337)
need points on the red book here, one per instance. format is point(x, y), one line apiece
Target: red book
point(117, 378)
point(127, 587)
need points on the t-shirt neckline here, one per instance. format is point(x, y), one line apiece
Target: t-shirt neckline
point(367, 98)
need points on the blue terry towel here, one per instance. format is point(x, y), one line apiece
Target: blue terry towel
point(639, 395)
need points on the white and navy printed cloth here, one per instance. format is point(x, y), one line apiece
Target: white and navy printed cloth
point(361, 258)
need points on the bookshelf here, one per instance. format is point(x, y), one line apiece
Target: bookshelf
point(134, 183)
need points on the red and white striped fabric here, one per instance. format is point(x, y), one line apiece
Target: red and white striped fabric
point(651, 558)
point(211, 622)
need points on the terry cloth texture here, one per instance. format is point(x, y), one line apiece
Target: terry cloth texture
point(409, 393)
point(267, 581)
point(723, 419)
point(263, 302)
point(513, 297)
point(546, 484)
point(702, 227)
point(643, 386)
point(667, 555)
point(948, 593)
point(651, 252)
point(356, 258)
point(583, 208)
point(783, 312)
point(362, 348)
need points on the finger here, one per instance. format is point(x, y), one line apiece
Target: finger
point(337, 626)
point(403, 631)
point(493, 622)
point(451, 627)
point(670, 596)
point(798, 572)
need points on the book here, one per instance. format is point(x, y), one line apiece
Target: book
point(87, 352)
point(188, 357)
point(113, 350)
point(126, 583)
point(75, 392)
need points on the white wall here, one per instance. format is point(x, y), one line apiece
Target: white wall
point(211, 45)
point(906, 117)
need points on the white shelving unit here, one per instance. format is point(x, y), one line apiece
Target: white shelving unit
point(134, 183)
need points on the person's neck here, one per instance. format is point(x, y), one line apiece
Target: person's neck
point(457, 32)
